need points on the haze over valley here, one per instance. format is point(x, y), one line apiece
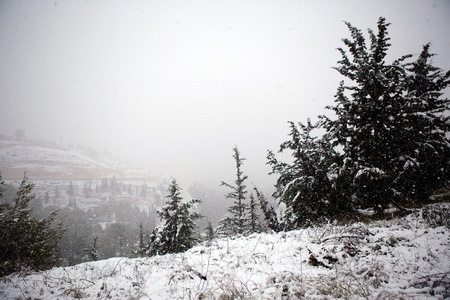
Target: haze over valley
point(172, 87)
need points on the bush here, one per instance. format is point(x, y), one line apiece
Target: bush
point(437, 215)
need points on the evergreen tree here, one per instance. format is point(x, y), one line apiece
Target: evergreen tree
point(210, 234)
point(114, 186)
point(144, 190)
point(71, 190)
point(57, 192)
point(306, 185)
point(363, 124)
point(226, 227)
point(237, 221)
point(177, 232)
point(422, 164)
point(142, 249)
point(92, 252)
point(2, 189)
point(389, 122)
point(26, 242)
point(187, 235)
point(104, 185)
point(253, 216)
point(269, 212)
point(388, 143)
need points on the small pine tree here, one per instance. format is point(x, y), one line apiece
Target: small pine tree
point(269, 212)
point(71, 190)
point(1, 186)
point(25, 241)
point(177, 233)
point(56, 192)
point(210, 234)
point(142, 248)
point(226, 227)
point(237, 221)
point(187, 235)
point(253, 216)
point(92, 252)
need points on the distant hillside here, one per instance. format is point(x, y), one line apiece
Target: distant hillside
point(44, 160)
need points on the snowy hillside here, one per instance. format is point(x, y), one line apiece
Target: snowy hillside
point(402, 258)
point(43, 160)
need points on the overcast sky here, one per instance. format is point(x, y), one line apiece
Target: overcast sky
point(179, 83)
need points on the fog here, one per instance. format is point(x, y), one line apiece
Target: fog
point(173, 86)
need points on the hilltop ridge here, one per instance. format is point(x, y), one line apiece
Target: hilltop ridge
point(46, 160)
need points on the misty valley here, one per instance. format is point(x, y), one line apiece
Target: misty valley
point(106, 214)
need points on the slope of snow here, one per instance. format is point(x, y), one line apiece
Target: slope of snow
point(400, 258)
point(45, 160)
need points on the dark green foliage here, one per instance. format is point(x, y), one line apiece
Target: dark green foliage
point(26, 242)
point(253, 224)
point(142, 248)
point(365, 111)
point(227, 227)
point(423, 167)
point(236, 222)
point(269, 212)
point(386, 144)
point(92, 252)
point(210, 234)
point(177, 232)
point(307, 185)
point(390, 122)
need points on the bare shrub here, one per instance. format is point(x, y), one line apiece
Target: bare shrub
point(436, 216)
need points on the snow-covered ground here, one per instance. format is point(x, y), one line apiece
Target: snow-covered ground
point(396, 259)
point(43, 160)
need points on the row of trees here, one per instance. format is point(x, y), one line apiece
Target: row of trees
point(387, 144)
point(177, 231)
point(178, 217)
point(37, 242)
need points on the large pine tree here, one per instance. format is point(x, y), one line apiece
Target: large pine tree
point(387, 142)
point(365, 110)
point(390, 122)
